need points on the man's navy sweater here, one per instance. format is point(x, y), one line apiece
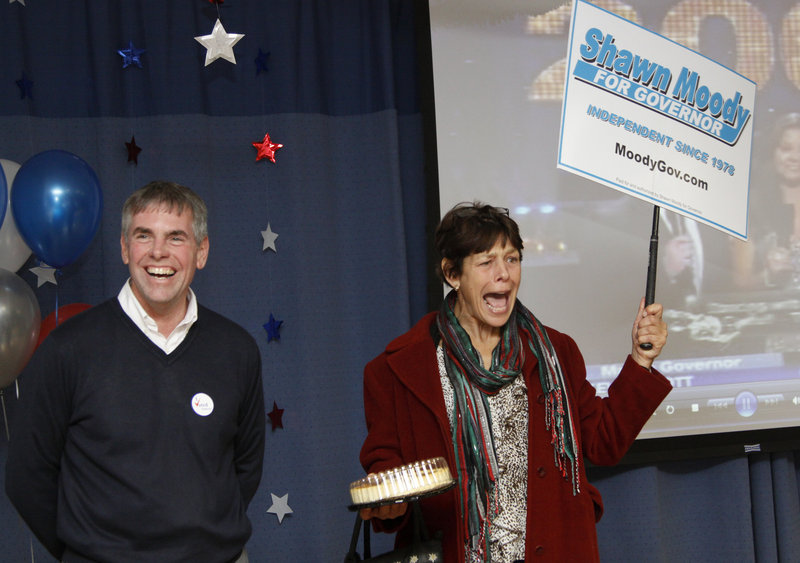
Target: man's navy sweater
point(125, 453)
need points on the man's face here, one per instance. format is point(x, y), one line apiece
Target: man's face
point(787, 156)
point(162, 256)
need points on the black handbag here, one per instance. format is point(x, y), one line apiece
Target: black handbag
point(423, 548)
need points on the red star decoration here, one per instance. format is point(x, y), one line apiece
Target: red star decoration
point(275, 416)
point(266, 149)
point(133, 151)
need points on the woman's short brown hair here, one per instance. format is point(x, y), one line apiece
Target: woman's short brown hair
point(469, 228)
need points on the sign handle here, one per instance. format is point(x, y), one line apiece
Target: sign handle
point(652, 268)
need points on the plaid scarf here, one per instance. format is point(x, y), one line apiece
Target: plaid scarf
point(476, 464)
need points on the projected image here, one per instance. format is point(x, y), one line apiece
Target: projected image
point(733, 307)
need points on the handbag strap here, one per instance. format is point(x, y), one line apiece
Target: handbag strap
point(352, 554)
point(419, 534)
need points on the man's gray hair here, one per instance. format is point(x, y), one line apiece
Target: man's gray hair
point(172, 196)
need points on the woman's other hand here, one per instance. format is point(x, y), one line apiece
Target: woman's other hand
point(385, 512)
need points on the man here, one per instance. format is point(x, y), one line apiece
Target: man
point(140, 434)
point(681, 268)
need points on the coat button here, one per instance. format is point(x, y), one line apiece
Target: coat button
point(539, 550)
point(541, 471)
point(540, 399)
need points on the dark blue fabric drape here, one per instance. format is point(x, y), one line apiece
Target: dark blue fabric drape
point(721, 509)
point(347, 197)
point(340, 93)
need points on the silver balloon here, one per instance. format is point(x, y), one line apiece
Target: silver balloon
point(14, 252)
point(20, 320)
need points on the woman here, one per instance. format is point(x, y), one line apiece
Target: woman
point(522, 488)
point(772, 258)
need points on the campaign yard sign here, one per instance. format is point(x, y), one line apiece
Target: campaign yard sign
point(656, 120)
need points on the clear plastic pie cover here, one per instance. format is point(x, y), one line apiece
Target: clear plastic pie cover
point(402, 482)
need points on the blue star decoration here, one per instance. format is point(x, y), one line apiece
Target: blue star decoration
point(133, 151)
point(280, 506)
point(131, 55)
point(276, 416)
point(261, 61)
point(273, 327)
point(25, 87)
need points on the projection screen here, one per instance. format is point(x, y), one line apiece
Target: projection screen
point(733, 307)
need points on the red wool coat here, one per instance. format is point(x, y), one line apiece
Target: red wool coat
point(407, 421)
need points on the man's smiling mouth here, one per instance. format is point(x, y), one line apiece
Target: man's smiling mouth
point(161, 272)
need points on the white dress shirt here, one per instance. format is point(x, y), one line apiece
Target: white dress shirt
point(130, 304)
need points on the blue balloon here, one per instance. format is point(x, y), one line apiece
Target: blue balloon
point(3, 196)
point(57, 206)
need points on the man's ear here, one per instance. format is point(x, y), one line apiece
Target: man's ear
point(202, 253)
point(124, 248)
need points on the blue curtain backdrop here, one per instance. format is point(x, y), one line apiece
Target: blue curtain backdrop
point(347, 197)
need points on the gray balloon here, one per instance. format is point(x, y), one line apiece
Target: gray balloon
point(20, 320)
point(14, 252)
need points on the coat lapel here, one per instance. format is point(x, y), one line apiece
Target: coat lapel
point(413, 360)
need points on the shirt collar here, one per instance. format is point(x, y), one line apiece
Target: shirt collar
point(133, 308)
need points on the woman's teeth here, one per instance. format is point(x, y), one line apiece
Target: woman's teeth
point(497, 303)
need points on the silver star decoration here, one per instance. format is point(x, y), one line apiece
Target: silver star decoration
point(280, 506)
point(432, 557)
point(44, 274)
point(269, 239)
point(413, 559)
point(219, 44)
point(20, 1)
